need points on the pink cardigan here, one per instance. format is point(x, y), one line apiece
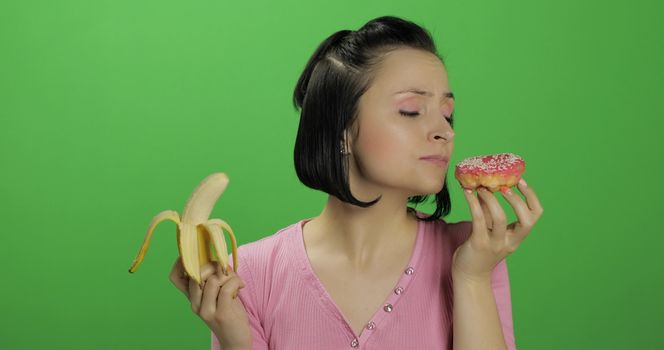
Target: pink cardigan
point(289, 309)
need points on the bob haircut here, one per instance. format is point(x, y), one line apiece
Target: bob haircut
point(327, 94)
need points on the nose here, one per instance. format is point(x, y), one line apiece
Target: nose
point(443, 133)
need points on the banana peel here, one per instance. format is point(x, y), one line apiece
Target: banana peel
point(198, 237)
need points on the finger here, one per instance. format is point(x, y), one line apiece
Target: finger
point(196, 290)
point(195, 293)
point(209, 298)
point(177, 278)
point(522, 211)
point(229, 290)
point(207, 270)
point(232, 274)
point(479, 224)
point(531, 199)
point(487, 213)
point(497, 214)
point(221, 270)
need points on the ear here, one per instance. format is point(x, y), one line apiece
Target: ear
point(344, 142)
point(347, 141)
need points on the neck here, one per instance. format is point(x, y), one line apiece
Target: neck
point(359, 237)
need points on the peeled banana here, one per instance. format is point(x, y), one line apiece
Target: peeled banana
point(197, 236)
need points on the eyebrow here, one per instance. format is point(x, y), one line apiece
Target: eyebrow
point(424, 93)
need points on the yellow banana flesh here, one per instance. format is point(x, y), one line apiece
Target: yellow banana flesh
point(198, 237)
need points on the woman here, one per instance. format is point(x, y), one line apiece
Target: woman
point(369, 271)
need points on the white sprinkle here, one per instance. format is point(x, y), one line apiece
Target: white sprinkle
point(490, 162)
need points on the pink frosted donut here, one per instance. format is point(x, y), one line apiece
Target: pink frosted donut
point(495, 172)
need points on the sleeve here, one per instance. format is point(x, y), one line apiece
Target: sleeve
point(248, 297)
point(500, 284)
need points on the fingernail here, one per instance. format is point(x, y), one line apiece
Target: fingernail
point(468, 191)
point(506, 190)
point(523, 182)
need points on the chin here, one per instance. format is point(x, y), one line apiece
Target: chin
point(438, 187)
point(431, 189)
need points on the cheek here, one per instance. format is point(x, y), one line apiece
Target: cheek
point(386, 143)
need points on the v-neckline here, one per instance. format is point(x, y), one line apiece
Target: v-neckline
point(325, 299)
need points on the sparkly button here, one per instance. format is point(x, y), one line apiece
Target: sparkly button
point(355, 343)
point(398, 290)
point(409, 271)
point(371, 325)
point(388, 307)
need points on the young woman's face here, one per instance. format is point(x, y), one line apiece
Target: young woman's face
point(389, 145)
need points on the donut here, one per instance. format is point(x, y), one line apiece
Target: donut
point(494, 172)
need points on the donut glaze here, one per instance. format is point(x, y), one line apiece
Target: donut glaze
point(494, 172)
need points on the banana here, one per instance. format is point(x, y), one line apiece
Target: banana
point(198, 237)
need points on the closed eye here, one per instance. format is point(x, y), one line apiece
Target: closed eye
point(415, 114)
point(409, 114)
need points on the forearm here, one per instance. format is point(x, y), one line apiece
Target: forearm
point(233, 347)
point(236, 348)
point(476, 324)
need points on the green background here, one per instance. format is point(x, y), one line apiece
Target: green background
point(112, 111)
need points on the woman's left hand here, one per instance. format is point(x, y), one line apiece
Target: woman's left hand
point(491, 239)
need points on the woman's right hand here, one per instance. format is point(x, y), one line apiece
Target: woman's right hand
point(216, 303)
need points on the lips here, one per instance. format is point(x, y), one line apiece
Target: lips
point(436, 157)
point(437, 161)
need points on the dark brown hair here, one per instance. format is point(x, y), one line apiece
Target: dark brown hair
point(327, 94)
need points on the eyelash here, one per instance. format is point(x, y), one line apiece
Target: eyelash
point(414, 114)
